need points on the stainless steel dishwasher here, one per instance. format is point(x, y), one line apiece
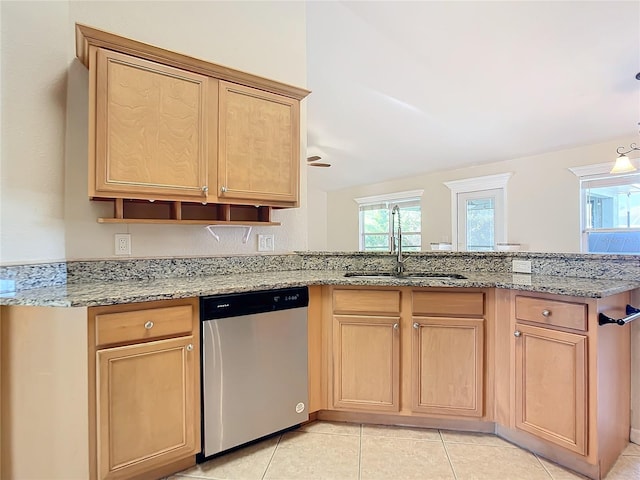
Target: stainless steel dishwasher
point(254, 366)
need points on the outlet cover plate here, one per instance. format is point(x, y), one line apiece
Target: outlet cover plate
point(521, 266)
point(122, 244)
point(265, 243)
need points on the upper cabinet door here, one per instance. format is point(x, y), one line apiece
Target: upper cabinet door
point(150, 128)
point(259, 146)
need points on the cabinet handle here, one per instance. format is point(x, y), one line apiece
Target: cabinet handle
point(546, 313)
point(517, 333)
point(223, 189)
point(396, 326)
point(416, 325)
point(148, 325)
point(189, 347)
point(205, 190)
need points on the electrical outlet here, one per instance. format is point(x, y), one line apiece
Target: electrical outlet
point(265, 243)
point(123, 244)
point(521, 266)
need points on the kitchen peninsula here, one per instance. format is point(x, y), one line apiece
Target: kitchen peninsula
point(501, 335)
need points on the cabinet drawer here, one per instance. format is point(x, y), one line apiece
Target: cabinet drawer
point(145, 324)
point(448, 303)
point(373, 301)
point(552, 312)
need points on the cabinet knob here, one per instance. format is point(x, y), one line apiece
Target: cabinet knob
point(189, 347)
point(148, 325)
point(517, 333)
point(546, 313)
point(416, 325)
point(205, 190)
point(396, 326)
point(223, 189)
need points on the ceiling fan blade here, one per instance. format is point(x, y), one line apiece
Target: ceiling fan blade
point(314, 158)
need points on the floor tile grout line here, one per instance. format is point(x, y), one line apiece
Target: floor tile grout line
point(543, 465)
point(273, 454)
point(446, 452)
point(360, 453)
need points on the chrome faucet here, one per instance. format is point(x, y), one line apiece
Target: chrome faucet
point(396, 241)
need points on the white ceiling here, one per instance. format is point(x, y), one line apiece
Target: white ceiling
point(400, 88)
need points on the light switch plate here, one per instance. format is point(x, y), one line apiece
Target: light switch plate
point(521, 266)
point(265, 243)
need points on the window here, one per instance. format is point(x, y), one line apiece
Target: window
point(376, 221)
point(610, 210)
point(478, 212)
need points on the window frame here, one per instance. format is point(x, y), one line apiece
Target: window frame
point(413, 197)
point(593, 173)
point(479, 185)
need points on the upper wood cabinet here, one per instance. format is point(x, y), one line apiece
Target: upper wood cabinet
point(150, 130)
point(168, 127)
point(259, 139)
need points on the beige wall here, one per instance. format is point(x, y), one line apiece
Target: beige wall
point(45, 411)
point(46, 214)
point(542, 200)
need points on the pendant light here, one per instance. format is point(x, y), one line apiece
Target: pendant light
point(623, 163)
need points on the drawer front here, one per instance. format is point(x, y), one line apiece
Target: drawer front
point(448, 303)
point(371, 301)
point(143, 325)
point(552, 312)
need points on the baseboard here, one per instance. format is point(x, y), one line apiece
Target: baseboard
point(634, 436)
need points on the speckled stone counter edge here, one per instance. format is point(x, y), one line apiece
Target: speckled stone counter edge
point(23, 277)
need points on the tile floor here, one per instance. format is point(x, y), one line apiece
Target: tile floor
point(342, 451)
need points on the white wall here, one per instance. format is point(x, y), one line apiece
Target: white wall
point(33, 94)
point(317, 211)
point(542, 200)
point(46, 214)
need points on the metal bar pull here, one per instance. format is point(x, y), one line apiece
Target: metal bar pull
point(633, 313)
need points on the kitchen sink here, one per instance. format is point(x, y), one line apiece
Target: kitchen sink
point(407, 275)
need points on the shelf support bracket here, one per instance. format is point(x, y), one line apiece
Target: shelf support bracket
point(245, 235)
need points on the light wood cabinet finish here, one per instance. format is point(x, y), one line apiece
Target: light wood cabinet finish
point(448, 303)
point(155, 119)
point(551, 386)
point(142, 325)
point(367, 362)
point(388, 357)
point(259, 146)
point(150, 129)
point(552, 312)
point(368, 300)
point(144, 389)
point(448, 366)
point(146, 398)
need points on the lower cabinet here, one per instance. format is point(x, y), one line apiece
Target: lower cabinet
point(569, 378)
point(366, 350)
point(551, 385)
point(447, 359)
point(146, 387)
point(408, 351)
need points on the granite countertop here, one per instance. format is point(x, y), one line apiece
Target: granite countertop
point(130, 291)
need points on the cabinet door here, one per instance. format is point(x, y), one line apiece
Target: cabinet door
point(551, 385)
point(150, 130)
point(447, 366)
point(146, 406)
point(366, 356)
point(259, 146)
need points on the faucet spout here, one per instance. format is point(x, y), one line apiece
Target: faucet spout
point(396, 241)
